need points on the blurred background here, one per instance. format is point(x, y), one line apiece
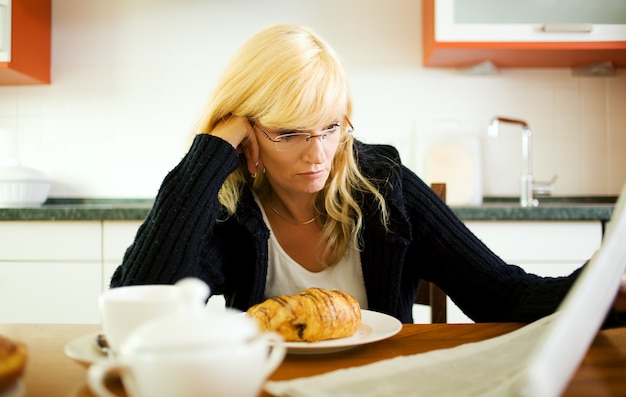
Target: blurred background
point(130, 78)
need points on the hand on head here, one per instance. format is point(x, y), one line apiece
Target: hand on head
point(239, 132)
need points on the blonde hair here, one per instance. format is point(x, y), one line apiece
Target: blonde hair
point(287, 77)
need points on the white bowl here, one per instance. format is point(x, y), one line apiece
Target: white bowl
point(22, 187)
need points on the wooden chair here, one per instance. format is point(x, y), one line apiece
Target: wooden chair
point(428, 293)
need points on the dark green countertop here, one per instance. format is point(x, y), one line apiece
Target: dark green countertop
point(550, 209)
point(561, 212)
point(495, 208)
point(57, 209)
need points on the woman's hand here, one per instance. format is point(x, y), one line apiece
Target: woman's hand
point(238, 132)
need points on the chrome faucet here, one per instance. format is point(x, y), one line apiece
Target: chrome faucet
point(526, 197)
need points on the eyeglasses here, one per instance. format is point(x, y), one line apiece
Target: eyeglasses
point(293, 140)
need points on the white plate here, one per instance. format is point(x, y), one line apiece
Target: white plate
point(85, 349)
point(374, 327)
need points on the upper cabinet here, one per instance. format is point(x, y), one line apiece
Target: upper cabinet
point(25, 41)
point(513, 33)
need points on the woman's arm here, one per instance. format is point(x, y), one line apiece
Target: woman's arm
point(480, 283)
point(168, 243)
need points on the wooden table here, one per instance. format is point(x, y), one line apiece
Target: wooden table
point(51, 373)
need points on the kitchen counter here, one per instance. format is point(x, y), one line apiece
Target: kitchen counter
point(493, 208)
point(81, 209)
point(592, 208)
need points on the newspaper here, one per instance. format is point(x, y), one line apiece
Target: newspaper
point(492, 368)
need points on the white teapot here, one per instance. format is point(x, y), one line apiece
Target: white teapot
point(192, 352)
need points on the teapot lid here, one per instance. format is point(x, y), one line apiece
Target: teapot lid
point(191, 328)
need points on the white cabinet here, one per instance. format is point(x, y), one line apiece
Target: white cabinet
point(55, 271)
point(50, 272)
point(515, 21)
point(49, 292)
point(523, 34)
point(50, 240)
point(602, 12)
point(550, 248)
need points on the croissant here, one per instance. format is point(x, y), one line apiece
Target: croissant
point(313, 315)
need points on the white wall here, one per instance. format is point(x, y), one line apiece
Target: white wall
point(130, 77)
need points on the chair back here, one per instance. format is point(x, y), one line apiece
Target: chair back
point(427, 292)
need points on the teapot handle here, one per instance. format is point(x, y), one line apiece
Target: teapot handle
point(98, 374)
point(277, 353)
point(194, 292)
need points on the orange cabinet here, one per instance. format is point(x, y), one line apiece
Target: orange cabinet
point(448, 43)
point(25, 41)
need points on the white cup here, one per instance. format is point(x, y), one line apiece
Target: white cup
point(192, 354)
point(123, 309)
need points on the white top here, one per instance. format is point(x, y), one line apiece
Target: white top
point(286, 277)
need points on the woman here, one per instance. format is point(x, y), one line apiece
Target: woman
point(275, 195)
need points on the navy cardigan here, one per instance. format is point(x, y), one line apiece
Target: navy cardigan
point(186, 234)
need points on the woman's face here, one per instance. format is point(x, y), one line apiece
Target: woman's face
point(304, 168)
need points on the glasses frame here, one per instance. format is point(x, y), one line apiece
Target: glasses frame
point(322, 135)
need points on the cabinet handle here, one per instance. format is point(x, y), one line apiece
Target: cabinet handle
point(567, 27)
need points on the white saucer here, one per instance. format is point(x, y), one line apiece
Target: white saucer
point(374, 327)
point(84, 350)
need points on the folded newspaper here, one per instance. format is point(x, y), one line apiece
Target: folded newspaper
point(493, 367)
